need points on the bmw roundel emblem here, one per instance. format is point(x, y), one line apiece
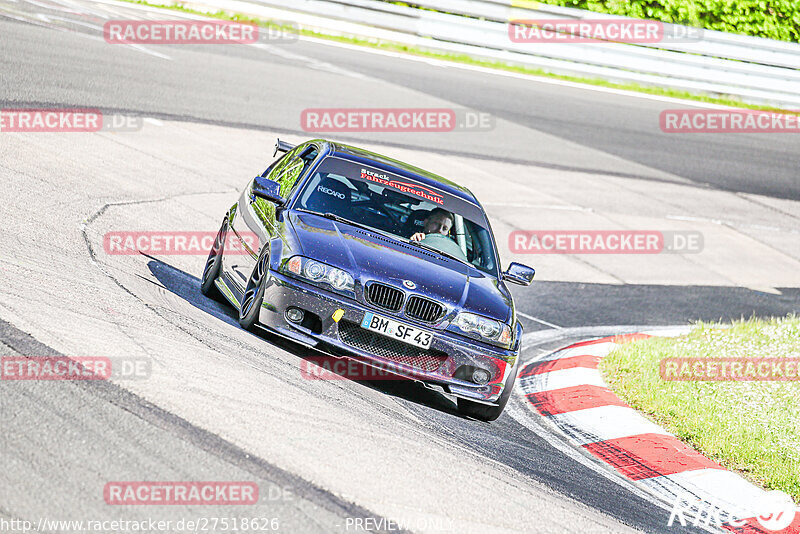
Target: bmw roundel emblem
point(409, 284)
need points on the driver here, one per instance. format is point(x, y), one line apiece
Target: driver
point(438, 221)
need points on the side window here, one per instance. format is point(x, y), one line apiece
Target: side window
point(480, 238)
point(264, 209)
point(291, 167)
point(280, 161)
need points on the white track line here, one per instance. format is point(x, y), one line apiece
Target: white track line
point(540, 337)
point(540, 321)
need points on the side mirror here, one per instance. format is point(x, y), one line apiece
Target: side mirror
point(519, 274)
point(268, 190)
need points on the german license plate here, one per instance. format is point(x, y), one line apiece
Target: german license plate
point(399, 331)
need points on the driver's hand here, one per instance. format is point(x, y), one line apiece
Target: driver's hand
point(419, 236)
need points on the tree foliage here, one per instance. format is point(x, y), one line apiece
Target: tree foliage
point(774, 19)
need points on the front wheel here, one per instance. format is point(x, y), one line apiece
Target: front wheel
point(254, 293)
point(214, 264)
point(484, 412)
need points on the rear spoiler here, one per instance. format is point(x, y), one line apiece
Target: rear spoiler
point(282, 146)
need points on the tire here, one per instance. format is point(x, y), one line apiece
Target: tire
point(213, 265)
point(487, 413)
point(254, 293)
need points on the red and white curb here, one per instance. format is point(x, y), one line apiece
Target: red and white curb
point(566, 388)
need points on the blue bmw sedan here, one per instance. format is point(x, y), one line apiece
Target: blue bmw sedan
point(364, 257)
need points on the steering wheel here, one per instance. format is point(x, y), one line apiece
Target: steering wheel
point(371, 208)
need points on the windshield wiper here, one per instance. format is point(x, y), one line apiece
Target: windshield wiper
point(445, 254)
point(339, 218)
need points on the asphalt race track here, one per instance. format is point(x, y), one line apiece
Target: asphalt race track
point(218, 403)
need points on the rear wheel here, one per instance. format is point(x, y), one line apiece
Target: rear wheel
point(214, 264)
point(484, 412)
point(254, 293)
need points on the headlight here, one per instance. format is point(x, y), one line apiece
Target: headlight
point(318, 272)
point(314, 270)
point(489, 330)
point(339, 279)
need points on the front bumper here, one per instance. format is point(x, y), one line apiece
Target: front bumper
point(441, 367)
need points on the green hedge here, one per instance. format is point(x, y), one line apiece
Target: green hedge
point(775, 19)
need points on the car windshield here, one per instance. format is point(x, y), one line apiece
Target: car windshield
point(402, 207)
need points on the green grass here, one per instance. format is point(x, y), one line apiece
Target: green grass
point(466, 59)
point(750, 427)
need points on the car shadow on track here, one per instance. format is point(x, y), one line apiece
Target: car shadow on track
point(187, 287)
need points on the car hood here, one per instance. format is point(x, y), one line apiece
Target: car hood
point(369, 256)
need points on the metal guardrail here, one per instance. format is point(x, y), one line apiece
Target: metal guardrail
point(715, 43)
point(756, 70)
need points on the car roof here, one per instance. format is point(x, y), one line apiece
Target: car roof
point(361, 155)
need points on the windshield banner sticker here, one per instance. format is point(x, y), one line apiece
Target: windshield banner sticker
point(405, 187)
